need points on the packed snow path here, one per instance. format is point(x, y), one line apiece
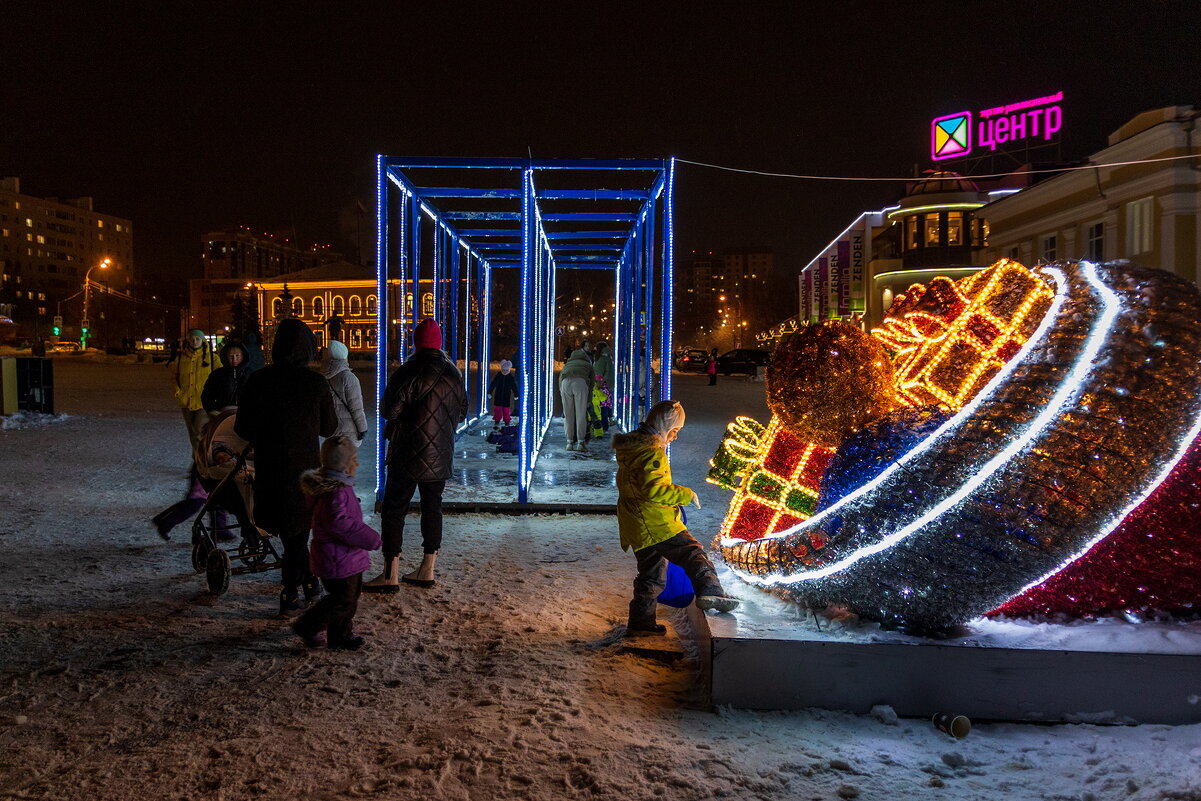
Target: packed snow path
point(122, 679)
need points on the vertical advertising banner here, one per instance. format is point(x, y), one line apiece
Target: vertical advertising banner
point(859, 246)
point(823, 288)
point(803, 293)
point(843, 289)
point(811, 294)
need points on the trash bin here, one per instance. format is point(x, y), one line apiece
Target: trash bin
point(35, 385)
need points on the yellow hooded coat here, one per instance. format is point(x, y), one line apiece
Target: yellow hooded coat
point(648, 504)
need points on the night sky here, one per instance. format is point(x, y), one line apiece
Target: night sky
point(189, 116)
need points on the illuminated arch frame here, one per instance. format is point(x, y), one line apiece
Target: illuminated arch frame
point(637, 246)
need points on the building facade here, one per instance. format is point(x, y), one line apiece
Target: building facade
point(1146, 209)
point(47, 248)
point(1147, 212)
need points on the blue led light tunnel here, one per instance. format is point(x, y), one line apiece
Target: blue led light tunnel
point(445, 225)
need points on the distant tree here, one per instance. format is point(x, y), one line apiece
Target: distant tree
point(244, 318)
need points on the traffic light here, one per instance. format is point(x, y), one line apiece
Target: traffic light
point(83, 330)
point(57, 330)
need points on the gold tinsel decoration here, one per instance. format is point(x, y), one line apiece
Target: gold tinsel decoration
point(829, 380)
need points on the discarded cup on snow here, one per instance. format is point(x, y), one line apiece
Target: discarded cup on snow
point(957, 726)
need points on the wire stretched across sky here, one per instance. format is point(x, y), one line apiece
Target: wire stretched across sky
point(918, 178)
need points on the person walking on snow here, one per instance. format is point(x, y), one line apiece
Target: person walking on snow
point(422, 404)
point(575, 388)
point(284, 409)
point(195, 363)
point(503, 389)
point(338, 555)
point(348, 393)
point(649, 520)
point(224, 385)
point(712, 367)
point(603, 366)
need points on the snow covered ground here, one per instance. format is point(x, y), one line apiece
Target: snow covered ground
point(120, 678)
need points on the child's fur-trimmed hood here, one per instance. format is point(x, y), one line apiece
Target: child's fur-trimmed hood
point(316, 482)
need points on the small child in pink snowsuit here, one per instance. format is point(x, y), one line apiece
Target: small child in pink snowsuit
point(338, 553)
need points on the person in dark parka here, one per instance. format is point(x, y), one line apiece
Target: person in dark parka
point(284, 408)
point(254, 352)
point(224, 385)
point(422, 404)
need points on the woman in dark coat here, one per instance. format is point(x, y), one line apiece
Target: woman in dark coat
point(284, 408)
point(423, 404)
point(224, 385)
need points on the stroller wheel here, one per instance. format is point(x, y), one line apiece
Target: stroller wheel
point(217, 570)
point(200, 555)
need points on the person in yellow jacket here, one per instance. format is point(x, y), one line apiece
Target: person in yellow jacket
point(650, 523)
point(195, 363)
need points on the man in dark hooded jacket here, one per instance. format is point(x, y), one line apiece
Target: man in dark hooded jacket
point(423, 404)
point(284, 408)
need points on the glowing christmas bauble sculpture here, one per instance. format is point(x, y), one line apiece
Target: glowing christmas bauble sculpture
point(828, 380)
point(1062, 465)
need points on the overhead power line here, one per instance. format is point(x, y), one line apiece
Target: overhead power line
point(919, 178)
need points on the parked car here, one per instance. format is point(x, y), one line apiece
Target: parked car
point(742, 360)
point(63, 347)
point(693, 360)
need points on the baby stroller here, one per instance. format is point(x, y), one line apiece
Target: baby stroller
point(225, 463)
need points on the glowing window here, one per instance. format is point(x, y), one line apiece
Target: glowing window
point(277, 307)
point(338, 305)
point(954, 227)
point(932, 235)
point(371, 305)
point(356, 305)
point(318, 307)
point(356, 338)
point(297, 307)
point(427, 304)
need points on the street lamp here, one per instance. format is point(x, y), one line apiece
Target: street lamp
point(87, 294)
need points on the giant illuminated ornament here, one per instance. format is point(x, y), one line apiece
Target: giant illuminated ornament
point(1057, 474)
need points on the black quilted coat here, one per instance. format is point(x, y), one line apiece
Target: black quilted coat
point(284, 408)
point(423, 404)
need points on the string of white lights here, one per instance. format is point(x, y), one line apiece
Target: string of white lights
point(1045, 171)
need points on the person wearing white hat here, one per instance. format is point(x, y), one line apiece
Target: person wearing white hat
point(348, 393)
point(503, 389)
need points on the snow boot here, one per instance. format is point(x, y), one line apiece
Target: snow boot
point(289, 601)
point(646, 630)
point(722, 603)
point(349, 644)
point(423, 576)
point(385, 583)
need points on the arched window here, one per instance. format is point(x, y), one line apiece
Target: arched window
point(356, 305)
point(297, 307)
point(318, 307)
point(277, 307)
point(371, 337)
point(427, 304)
point(338, 306)
point(371, 305)
point(356, 338)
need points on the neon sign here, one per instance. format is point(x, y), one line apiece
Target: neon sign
point(951, 136)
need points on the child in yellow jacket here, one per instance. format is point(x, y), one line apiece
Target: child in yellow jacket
point(649, 520)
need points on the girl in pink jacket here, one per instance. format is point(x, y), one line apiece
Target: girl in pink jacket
point(338, 552)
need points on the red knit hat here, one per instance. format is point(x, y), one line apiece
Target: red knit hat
point(428, 334)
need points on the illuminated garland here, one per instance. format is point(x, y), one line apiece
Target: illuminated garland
point(951, 337)
point(736, 453)
point(1069, 437)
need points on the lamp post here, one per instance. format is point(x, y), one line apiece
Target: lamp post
point(87, 295)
